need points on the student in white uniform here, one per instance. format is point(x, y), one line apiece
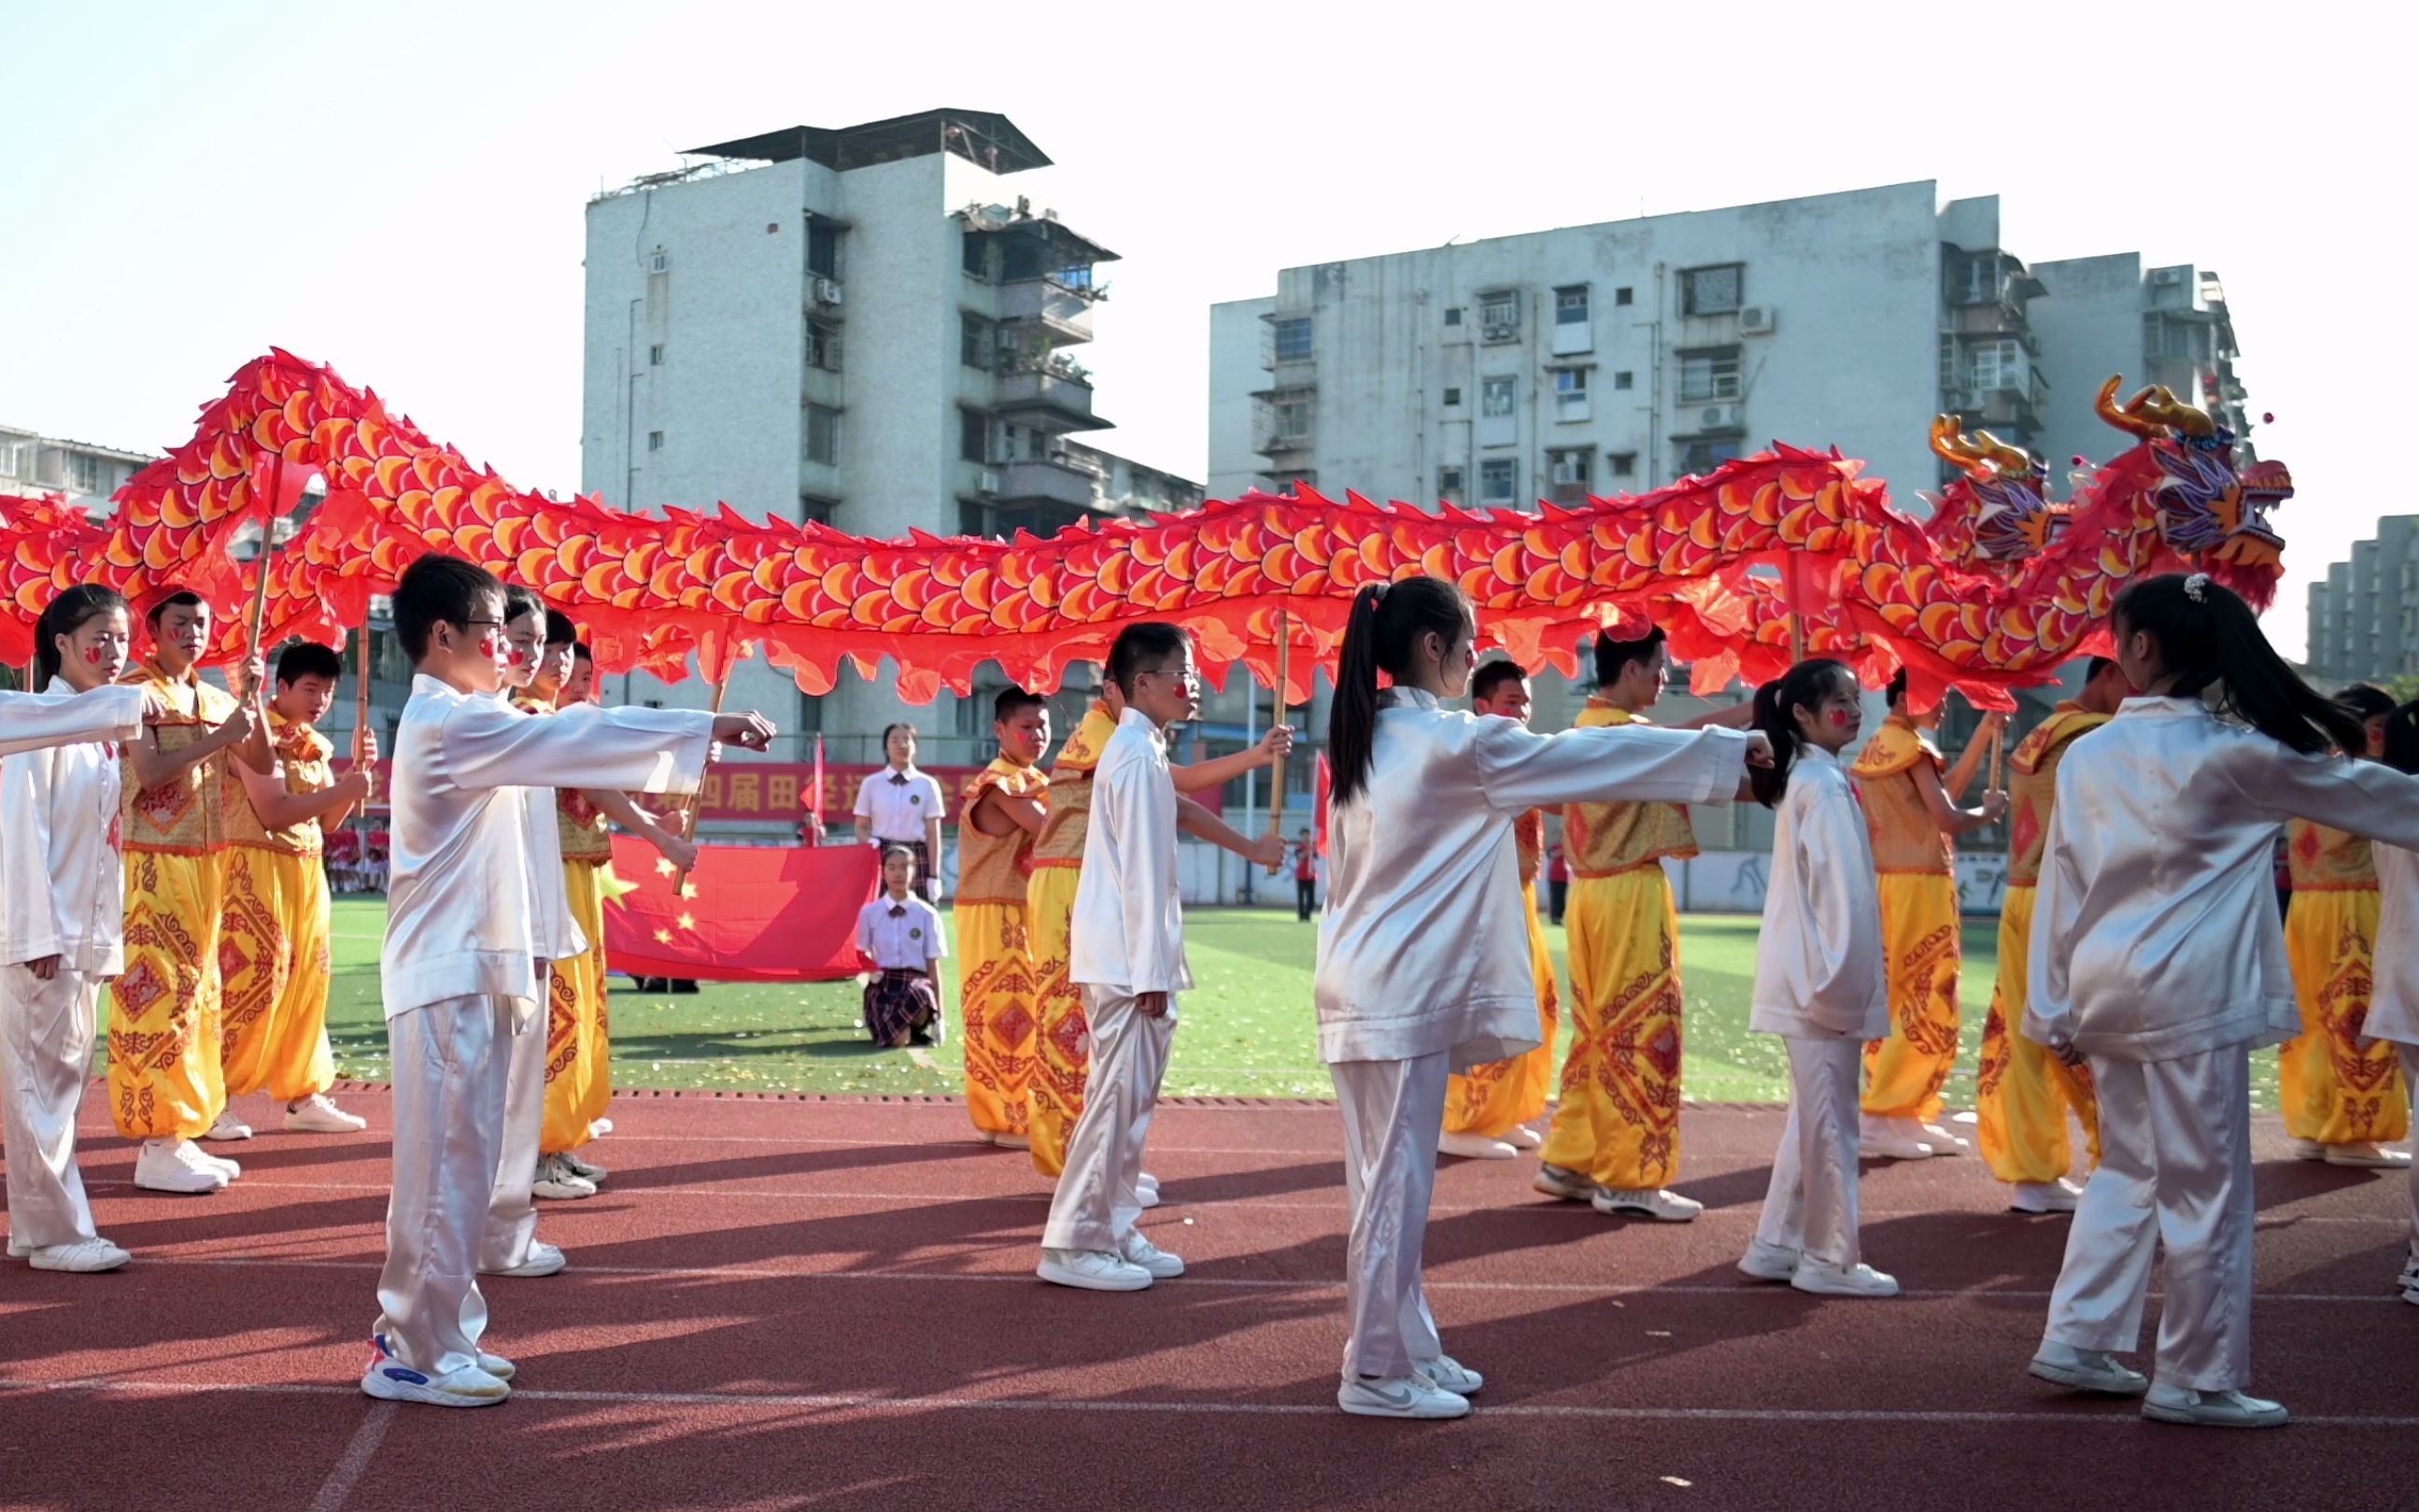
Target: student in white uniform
point(903, 806)
point(1820, 982)
point(2157, 955)
point(1423, 962)
point(62, 927)
point(2394, 1007)
point(901, 933)
point(1126, 953)
point(460, 970)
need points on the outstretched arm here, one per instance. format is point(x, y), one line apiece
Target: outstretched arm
point(1218, 772)
point(1199, 822)
point(617, 807)
point(1951, 819)
point(32, 722)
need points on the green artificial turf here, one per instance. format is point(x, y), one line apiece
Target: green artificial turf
point(1247, 1026)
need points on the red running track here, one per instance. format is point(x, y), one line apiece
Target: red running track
point(791, 1303)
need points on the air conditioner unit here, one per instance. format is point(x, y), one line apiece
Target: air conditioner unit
point(1755, 321)
point(991, 480)
point(1718, 417)
point(2164, 277)
point(827, 291)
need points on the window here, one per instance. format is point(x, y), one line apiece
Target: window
point(1623, 295)
point(1499, 480)
point(1449, 484)
point(1623, 380)
point(1293, 339)
point(654, 440)
point(1711, 290)
point(1294, 412)
point(660, 261)
point(822, 346)
point(655, 355)
point(822, 247)
point(1452, 398)
point(822, 434)
point(974, 256)
point(817, 507)
point(1711, 373)
point(1974, 281)
point(85, 475)
point(974, 436)
point(1452, 315)
point(1571, 468)
point(975, 341)
point(1499, 315)
point(1697, 459)
point(1571, 306)
point(1948, 363)
point(1496, 397)
point(1998, 365)
point(1570, 393)
point(1621, 464)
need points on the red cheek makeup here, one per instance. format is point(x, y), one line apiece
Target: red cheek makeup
point(1838, 719)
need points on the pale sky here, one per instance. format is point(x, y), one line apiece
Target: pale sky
point(397, 190)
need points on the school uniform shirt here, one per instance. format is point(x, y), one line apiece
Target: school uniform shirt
point(899, 803)
point(1818, 959)
point(1426, 945)
point(2156, 934)
point(2393, 1000)
point(1128, 929)
point(461, 915)
point(898, 936)
point(30, 721)
point(62, 875)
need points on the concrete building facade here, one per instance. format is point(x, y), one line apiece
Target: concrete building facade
point(2365, 616)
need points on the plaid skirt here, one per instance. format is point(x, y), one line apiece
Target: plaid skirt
point(900, 1004)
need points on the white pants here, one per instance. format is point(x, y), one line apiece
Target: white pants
point(512, 1213)
point(1811, 1206)
point(449, 1067)
point(2410, 1057)
point(1394, 1111)
point(1095, 1207)
point(2175, 1170)
point(46, 1033)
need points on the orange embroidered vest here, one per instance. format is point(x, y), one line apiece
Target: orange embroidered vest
point(2032, 787)
point(1061, 840)
point(992, 869)
point(188, 816)
point(1605, 840)
point(304, 755)
point(1528, 834)
point(2327, 860)
point(1905, 839)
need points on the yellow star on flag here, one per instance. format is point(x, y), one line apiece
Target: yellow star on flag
point(688, 922)
point(688, 890)
point(663, 936)
point(664, 867)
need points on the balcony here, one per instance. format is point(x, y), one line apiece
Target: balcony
point(1062, 479)
point(1054, 396)
point(1284, 421)
point(1992, 318)
point(1054, 313)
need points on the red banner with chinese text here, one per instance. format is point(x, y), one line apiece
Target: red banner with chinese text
point(762, 913)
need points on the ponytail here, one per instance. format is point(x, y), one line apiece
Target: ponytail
point(1776, 708)
point(67, 614)
point(1387, 620)
point(2209, 639)
point(2401, 750)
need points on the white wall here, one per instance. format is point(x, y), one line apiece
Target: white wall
point(2089, 324)
point(1235, 375)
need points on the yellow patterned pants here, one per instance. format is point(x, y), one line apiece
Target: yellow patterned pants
point(578, 1057)
point(2332, 1091)
point(1491, 1101)
point(2026, 1090)
point(165, 1080)
point(1062, 1050)
point(995, 995)
point(1920, 946)
point(1619, 1121)
point(273, 961)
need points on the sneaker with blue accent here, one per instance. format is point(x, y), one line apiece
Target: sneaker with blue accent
point(390, 1380)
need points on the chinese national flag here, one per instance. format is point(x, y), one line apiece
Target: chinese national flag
point(1326, 786)
point(749, 913)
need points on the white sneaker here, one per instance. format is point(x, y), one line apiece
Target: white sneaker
point(497, 1365)
point(587, 1171)
point(1092, 1271)
point(390, 1380)
point(2308, 1149)
point(543, 1259)
point(176, 1165)
point(2212, 1409)
point(1147, 1191)
point(1009, 1141)
point(1563, 1182)
point(2410, 1294)
point(1663, 1206)
point(228, 1127)
point(2369, 1157)
point(1445, 1373)
point(2408, 1280)
point(2092, 1370)
point(1161, 1264)
point(1881, 1138)
point(1524, 1137)
point(84, 1258)
point(1768, 1262)
point(1410, 1398)
point(214, 1162)
point(1474, 1147)
point(1827, 1280)
point(557, 1182)
point(1941, 1140)
point(2043, 1196)
point(600, 1128)
point(316, 1115)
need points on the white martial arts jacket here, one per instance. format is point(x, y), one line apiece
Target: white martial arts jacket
point(29, 721)
point(1818, 969)
point(62, 876)
point(1425, 948)
point(1127, 933)
point(461, 920)
point(2155, 932)
point(2394, 1001)
point(558, 935)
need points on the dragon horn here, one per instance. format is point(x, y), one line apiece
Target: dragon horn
point(1947, 443)
point(2159, 402)
point(2011, 461)
point(2125, 419)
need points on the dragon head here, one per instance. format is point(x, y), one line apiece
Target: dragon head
point(2006, 506)
point(2200, 498)
point(2251, 541)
